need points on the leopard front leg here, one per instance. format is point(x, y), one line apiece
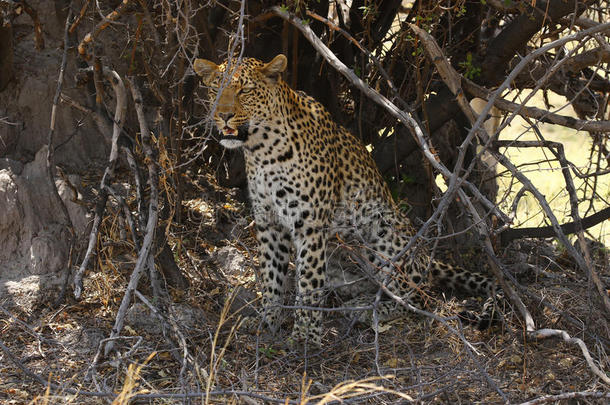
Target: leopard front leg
point(274, 254)
point(311, 273)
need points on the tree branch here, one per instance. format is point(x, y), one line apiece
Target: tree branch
point(536, 113)
point(153, 212)
point(568, 396)
point(548, 231)
point(517, 33)
point(119, 120)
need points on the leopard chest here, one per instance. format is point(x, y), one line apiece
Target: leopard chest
point(286, 184)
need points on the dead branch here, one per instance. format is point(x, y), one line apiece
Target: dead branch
point(534, 112)
point(402, 116)
point(548, 231)
point(153, 212)
point(332, 26)
point(457, 333)
point(79, 17)
point(50, 164)
point(547, 333)
point(173, 334)
point(558, 151)
point(588, 58)
point(37, 25)
point(119, 119)
point(452, 78)
point(568, 396)
point(127, 213)
point(102, 25)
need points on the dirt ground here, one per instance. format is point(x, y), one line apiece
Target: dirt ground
point(413, 359)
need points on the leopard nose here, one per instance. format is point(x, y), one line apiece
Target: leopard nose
point(226, 116)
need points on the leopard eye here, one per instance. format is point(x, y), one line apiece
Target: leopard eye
point(246, 90)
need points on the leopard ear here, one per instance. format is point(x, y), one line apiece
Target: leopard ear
point(274, 68)
point(205, 69)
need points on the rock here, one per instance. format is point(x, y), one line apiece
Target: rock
point(230, 260)
point(33, 233)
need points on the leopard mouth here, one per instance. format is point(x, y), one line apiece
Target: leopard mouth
point(228, 131)
point(233, 136)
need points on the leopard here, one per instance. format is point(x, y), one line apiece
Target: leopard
point(313, 186)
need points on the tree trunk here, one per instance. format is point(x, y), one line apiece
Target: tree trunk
point(6, 56)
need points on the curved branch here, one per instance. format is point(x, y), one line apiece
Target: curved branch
point(547, 333)
point(588, 58)
point(119, 120)
point(548, 231)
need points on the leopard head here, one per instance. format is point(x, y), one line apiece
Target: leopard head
point(242, 93)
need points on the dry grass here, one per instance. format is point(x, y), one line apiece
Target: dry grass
point(417, 358)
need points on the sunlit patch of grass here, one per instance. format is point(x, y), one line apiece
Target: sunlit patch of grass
point(546, 175)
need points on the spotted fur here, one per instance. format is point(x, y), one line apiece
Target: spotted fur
point(311, 180)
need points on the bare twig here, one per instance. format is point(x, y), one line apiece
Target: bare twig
point(413, 126)
point(534, 112)
point(175, 336)
point(332, 26)
point(452, 79)
point(102, 25)
point(119, 119)
point(153, 209)
point(37, 25)
point(50, 165)
point(457, 333)
point(79, 17)
point(546, 333)
point(548, 231)
point(568, 396)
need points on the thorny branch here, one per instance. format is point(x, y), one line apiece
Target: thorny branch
point(534, 112)
point(455, 182)
point(452, 78)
